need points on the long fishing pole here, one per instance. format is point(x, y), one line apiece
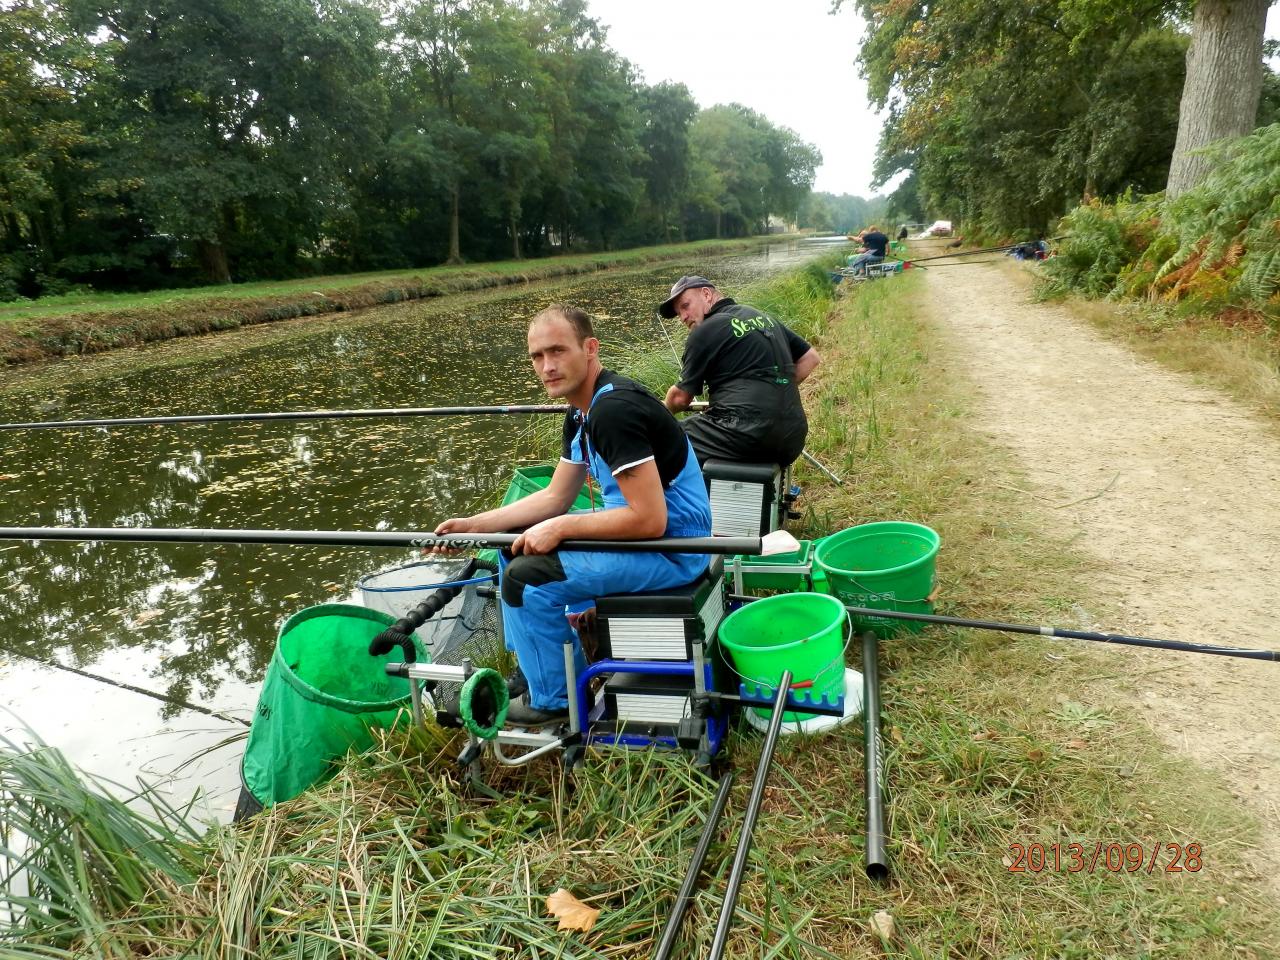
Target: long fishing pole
point(508, 409)
point(804, 453)
point(504, 410)
point(685, 897)
point(974, 253)
point(1246, 653)
point(163, 698)
point(1116, 638)
point(777, 542)
point(754, 800)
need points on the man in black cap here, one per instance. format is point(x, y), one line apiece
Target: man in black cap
point(753, 366)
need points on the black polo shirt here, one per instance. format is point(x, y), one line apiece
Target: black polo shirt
point(723, 349)
point(627, 426)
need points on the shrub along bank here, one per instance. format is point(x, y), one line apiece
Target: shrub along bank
point(1214, 250)
point(74, 324)
point(992, 742)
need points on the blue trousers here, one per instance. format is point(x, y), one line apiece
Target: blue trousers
point(536, 590)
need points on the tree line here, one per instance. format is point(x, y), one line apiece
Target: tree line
point(1005, 114)
point(146, 143)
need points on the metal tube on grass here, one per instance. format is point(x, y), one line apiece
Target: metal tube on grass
point(877, 858)
point(685, 897)
point(754, 800)
point(1246, 653)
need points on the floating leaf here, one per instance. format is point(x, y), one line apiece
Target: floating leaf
point(572, 913)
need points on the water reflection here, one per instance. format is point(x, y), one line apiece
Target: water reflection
point(198, 623)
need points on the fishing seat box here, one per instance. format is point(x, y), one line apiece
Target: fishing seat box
point(662, 624)
point(746, 498)
point(637, 699)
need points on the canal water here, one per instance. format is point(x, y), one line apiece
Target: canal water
point(198, 622)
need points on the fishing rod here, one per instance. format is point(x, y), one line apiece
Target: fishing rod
point(527, 408)
point(675, 356)
point(120, 684)
point(531, 408)
point(754, 800)
point(1116, 638)
point(685, 897)
point(974, 253)
point(773, 543)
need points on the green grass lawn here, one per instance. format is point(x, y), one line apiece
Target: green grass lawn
point(83, 303)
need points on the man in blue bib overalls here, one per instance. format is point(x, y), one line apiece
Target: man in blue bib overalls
point(650, 486)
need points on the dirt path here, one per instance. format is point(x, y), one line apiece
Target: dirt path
point(1187, 521)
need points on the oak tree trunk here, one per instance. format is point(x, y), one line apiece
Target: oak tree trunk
point(455, 248)
point(213, 260)
point(1224, 82)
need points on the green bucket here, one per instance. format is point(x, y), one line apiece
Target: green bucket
point(322, 697)
point(800, 632)
point(886, 566)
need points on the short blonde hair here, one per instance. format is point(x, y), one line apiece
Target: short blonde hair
point(576, 317)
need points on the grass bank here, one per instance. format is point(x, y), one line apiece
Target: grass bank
point(993, 741)
point(78, 323)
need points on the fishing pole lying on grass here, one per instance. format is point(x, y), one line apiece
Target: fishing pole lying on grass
point(685, 897)
point(754, 800)
point(1117, 638)
point(773, 543)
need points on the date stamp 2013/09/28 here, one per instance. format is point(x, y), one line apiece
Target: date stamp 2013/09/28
point(1103, 855)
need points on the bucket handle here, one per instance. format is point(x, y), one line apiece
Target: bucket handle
point(839, 660)
point(934, 589)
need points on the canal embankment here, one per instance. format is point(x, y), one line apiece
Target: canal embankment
point(90, 323)
point(996, 747)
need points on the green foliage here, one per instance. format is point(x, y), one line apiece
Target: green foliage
point(1215, 247)
point(1009, 112)
point(841, 214)
point(75, 857)
point(148, 144)
point(1102, 241)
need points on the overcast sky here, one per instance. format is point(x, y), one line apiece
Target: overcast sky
point(792, 61)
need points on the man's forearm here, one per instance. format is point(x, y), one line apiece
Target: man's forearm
point(525, 512)
point(617, 523)
point(678, 400)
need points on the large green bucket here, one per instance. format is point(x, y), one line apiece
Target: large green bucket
point(323, 695)
point(800, 632)
point(886, 566)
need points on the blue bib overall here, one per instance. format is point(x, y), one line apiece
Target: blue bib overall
point(536, 628)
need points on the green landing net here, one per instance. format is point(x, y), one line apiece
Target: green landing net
point(322, 697)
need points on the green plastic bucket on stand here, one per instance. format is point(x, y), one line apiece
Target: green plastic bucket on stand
point(891, 565)
point(323, 695)
point(800, 632)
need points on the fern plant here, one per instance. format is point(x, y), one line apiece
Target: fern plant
point(1213, 248)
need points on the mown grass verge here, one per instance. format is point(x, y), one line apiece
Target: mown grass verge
point(75, 324)
point(992, 741)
